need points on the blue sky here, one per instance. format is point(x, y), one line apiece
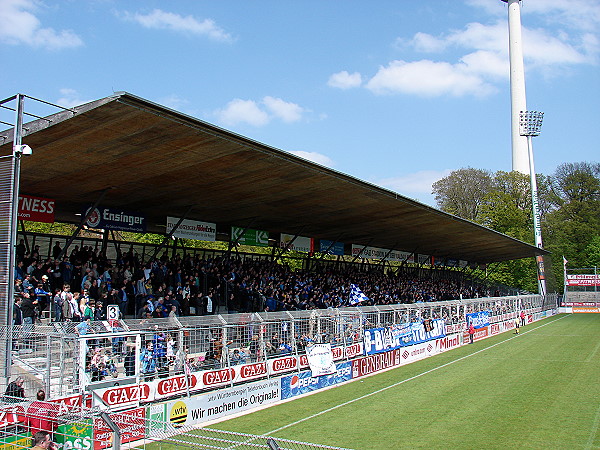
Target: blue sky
point(398, 93)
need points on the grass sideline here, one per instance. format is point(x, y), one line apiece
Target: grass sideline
point(540, 389)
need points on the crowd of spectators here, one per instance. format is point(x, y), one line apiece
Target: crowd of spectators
point(82, 283)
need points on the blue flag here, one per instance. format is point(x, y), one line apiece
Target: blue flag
point(356, 295)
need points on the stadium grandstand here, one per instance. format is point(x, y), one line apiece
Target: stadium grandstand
point(131, 327)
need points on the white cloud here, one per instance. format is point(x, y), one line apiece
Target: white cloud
point(415, 185)
point(427, 43)
point(175, 102)
point(21, 26)
point(345, 80)
point(242, 111)
point(162, 20)
point(577, 14)
point(259, 113)
point(286, 111)
point(486, 63)
point(70, 98)
point(542, 49)
point(428, 78)
point(315, 157)
point(484, 48)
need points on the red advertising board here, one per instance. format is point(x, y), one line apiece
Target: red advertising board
point(176, 385)
point(480, 333)
point(375, 363)
point(36, 209)
point(584, 304)
point(131, 425)
point(583, 280)
point(126, 394)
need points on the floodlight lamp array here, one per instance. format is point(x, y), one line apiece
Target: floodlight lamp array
point(530, 123)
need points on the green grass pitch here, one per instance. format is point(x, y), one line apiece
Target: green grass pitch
point(540, 389)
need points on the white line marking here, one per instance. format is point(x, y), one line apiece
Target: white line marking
point(404, 381)
point(594, 430)
point(589, 358)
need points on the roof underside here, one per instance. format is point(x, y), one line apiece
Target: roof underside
point(159, 162)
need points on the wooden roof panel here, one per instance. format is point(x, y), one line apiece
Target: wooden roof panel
point(159, 162)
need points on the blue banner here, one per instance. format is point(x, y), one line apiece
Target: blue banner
point(115, 219)
point(331, 248)
point(478, 319)
point(378, 340)
point(302, 382)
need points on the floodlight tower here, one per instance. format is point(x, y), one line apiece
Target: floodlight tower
point(518, 101)
point(530, 124)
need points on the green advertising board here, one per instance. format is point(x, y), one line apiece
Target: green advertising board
point(156, 419)
point(15, 441)
point(258, 238)
point(75, 435)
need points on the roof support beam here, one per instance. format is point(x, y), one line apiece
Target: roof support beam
point(362, 250)
point(233, 243)
point(288, 245)
point(84, 219)
point(171, 233)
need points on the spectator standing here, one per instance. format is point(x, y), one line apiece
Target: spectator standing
point(123, 300)
point(57, 303)
point(17, 313)
point(148, 362)
point(43, 441)
point(41, 415)
point(28, 308)
point(56, 250)
point(471, 333)
point(129, 361)
point(15, 392)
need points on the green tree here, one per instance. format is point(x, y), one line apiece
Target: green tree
point(507, 207)
point(592, 252)
point(573, 221)
point(462, 192)
point(500, 201)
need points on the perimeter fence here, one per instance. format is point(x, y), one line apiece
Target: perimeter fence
point(70, 359)
point(78, 427)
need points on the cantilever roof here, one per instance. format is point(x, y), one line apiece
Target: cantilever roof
point(160, 162)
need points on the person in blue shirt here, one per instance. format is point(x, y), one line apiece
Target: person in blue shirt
point(148, 362)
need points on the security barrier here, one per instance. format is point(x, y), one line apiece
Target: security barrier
point(199, 353)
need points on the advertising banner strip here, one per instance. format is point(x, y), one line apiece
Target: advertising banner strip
point(192, 229)
point(258, 238)
point(586, 310)
point(224, 402)
point(115, 219)
point(374, 363)
point(583, 280)
point(377, 340)
point(132, 426)
point(299, 244)
point(478, 319)
point(303, 382)
point(118, 397)
point(36, 209)
point(381, 253)
point(330, 247)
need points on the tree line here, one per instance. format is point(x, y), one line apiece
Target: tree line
point(569, 206)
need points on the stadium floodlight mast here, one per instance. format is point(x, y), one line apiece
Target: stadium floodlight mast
point(530, 125)
point(518, 99)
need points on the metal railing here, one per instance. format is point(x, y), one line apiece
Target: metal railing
point(66, 358)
